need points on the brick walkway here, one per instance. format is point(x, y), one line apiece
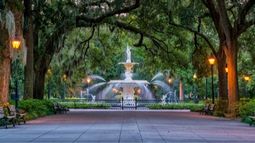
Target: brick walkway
point(129, 126)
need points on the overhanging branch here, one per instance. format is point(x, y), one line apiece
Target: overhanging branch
point(98, 19)
point(157, 42)
point(198, 33)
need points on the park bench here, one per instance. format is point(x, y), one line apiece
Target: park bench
point(211, 109)
point(252, 122)
point(203, 111)
point(58, 108)
point(208, 109)
point(7, 118)
point(20, 114)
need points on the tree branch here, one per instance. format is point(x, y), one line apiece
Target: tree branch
point(85, 41)
point(245, 26)
point(94, 3)
point(224, 20)
point(98, 19)
point(198, 33)
point(157, 42)
point(241, 25)
point(214, 14)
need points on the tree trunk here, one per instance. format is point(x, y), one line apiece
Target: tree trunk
point(223, 89)
point(5, 64)
point(231, 53)
point(29, 68)
point(40, 71)
point(39, 84)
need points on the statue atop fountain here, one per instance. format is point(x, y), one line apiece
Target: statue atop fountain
point(128, 53)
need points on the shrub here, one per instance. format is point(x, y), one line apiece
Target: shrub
point(247, 109)
point(36, 108)
point(82, 105)
point(191, 106)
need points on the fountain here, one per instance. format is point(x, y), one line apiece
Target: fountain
point(129, 89)
point(128, 85)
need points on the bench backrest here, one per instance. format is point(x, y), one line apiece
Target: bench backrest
point(1, 112)
point(12, 110)
point(212, 107)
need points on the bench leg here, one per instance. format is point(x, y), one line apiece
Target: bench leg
point(5, 123)
point(13, 122)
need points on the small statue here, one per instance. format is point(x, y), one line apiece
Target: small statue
point(163, 99)
point(128, 52)
point(93, 98)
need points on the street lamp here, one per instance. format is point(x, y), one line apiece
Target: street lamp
point(64, 77)
point(115, 90)
point(170, 80)
point(138, 91)
point(16, 45)
point(16, 42)
point(194, 87)
point(247, 78)
point(212, 62)
point(226, 69)
point(88, 81)
point(195, 76)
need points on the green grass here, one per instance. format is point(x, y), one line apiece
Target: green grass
point(191, 106)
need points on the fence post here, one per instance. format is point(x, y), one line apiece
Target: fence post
point(135, 103)
point(122, 103)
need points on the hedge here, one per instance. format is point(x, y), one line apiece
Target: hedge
point(191, 106)
point(82, 105)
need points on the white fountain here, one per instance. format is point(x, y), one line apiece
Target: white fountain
point(128, 85)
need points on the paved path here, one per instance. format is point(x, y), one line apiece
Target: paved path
point(129, 126)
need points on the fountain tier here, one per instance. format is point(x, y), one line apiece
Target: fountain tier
point(128, 84)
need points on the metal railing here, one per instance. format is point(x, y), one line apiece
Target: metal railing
point(121, 103)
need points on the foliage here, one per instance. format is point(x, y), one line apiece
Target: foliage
point(247, 109)
point(83, 105)
point(36, 108)
point(191, 106)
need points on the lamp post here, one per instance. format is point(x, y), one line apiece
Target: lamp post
point(247, 79)
point(170, 80)
point(64, 79)
point(212, 62)
point(226, 70)
point(194, 83)
point(16, 45)
point(88, 81)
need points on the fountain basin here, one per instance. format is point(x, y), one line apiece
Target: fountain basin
point(128, 82)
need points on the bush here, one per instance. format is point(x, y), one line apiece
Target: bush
point(247, 109)
point(191, 106)
point(36, 108)
point(82, 105)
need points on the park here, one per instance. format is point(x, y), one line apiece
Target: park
point(127, 71)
